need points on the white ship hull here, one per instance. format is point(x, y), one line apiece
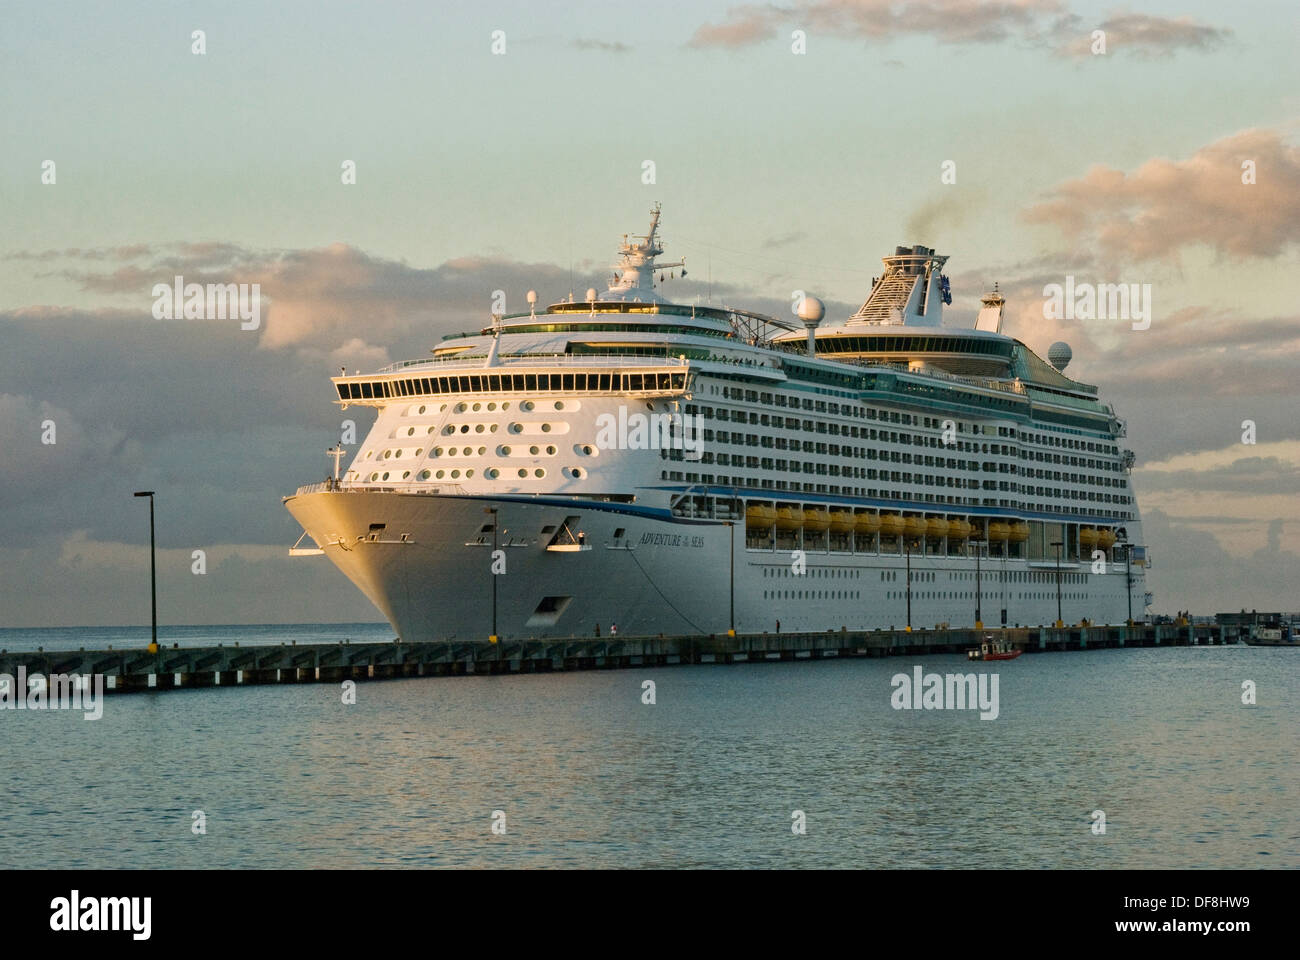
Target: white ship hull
point(429, 571)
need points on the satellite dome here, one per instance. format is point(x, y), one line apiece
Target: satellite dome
point(1059, 354)
point(811, 310)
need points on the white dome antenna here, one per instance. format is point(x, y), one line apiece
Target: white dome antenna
point(532, 302)
point(811, 311)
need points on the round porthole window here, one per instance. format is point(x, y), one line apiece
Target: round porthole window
point(385, 476)
point(527, 405)
point(546, 428)
point(533, 451)
point(424, 474)
point(422, 410)
point(440, 474)
point(455, 474)
point(559, 404)
point(539, 473)
point(478, 406)
point(523, 473)
point(493, 472)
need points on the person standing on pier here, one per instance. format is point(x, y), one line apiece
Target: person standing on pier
point(613, 629)
point(598, 629)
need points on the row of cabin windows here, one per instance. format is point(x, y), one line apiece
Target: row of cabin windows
point(885, 493)
point(494, 382)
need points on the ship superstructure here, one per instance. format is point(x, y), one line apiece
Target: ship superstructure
point(685, 468)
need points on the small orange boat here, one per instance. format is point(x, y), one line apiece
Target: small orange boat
point(992, 649)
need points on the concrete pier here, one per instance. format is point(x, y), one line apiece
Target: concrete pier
point(233, 666)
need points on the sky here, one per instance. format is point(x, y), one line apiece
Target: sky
point(520, 169)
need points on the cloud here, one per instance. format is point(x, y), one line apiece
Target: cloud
point(1045, 23)
point(784, 240)
point(1167, 205)
point(607, 46)
point(1145, 35)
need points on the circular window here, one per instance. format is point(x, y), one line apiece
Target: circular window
point(587, 449)
point(422, 410)
point(478, 406)
point(406, 474)
point(374, 476)
point(460, 408)
point(437, 451)
point(492, 406)
point(523, 473)
point(503, 451)
point(533, 451)
point(455, 474)
point(385, 476)
point(430, 430)
point(539, 473)
point(550, 451)
point(397, 455)
point(410, 431)
point(482, 450)
point(494, 428)
point(464, 428)
point(649, 406)
point(424, 474)
point(468, 474)
point(546, 428)
point(516, 428)
point(449, 429)
point(505, 405)
point(440, 474)
point(493, 472)
point(577, 473)
point(442, 408)
point(419, 451)
point(387, 454)
point(527, 405)
point(478, 428)
point(559, 404)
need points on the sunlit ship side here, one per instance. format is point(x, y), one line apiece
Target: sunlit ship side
point(881, 472)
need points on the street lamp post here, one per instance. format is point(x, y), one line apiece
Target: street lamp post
point(492, 567)
point(909, 585)
point(731, 531)
point(1059, 622)
point(153, 570)
point(979, 588)
point(1128, 579)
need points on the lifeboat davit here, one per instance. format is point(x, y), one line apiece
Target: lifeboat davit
point(1019, 532)
point(786, 519)
point(1105, 538)
point(842, 522)
point(1087, 537)
point(816, 520)
point(936, 528)
point(891, 525)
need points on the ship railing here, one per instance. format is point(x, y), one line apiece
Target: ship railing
point(542, 360)
point(358, 486)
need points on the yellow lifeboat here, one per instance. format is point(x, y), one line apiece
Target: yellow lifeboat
point(842, 522)
point(866, 523)
point(757, 515)
point(891, 525)
point(958, 529)
point(1105, 538)
point(786, 519)
point(914, 527)
point(936, 528)
point(1087, 537)
point(1019, 532)
point(816, 520)
point(999, 530)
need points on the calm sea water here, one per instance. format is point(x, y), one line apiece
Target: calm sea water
point(588, 775)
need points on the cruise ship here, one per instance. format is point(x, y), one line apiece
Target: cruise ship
point(625, 463)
